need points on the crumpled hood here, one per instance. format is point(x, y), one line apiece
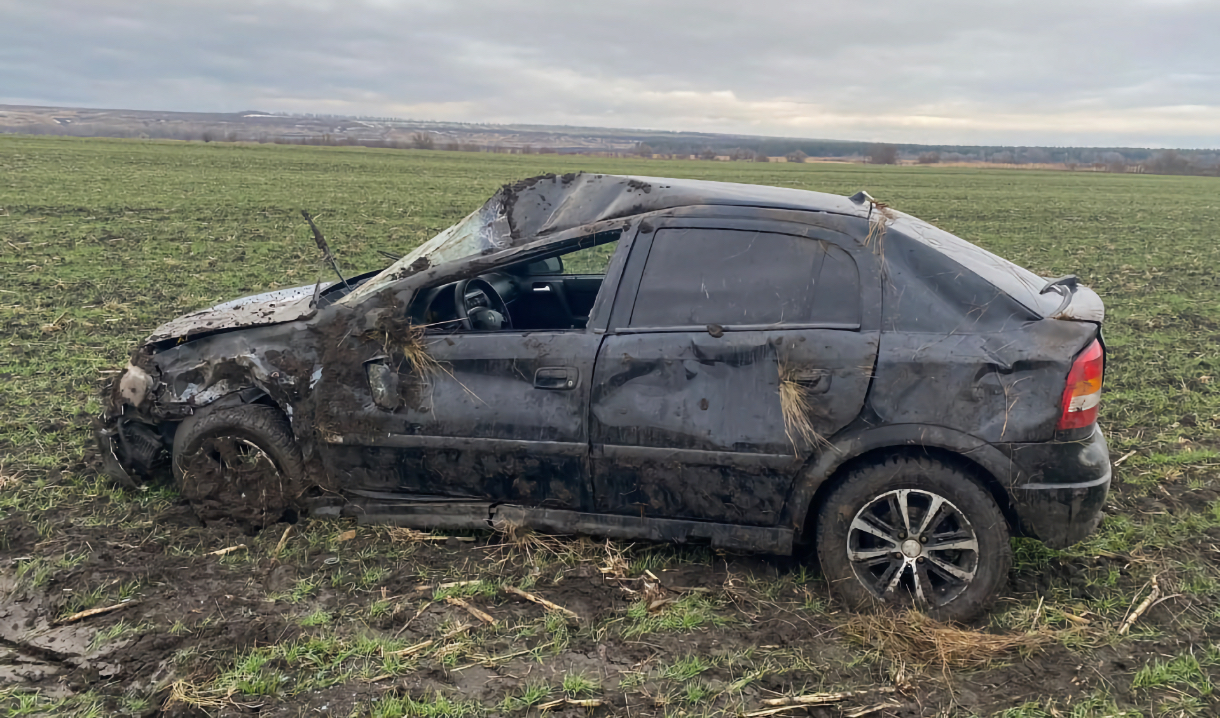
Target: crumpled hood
point(275, 307)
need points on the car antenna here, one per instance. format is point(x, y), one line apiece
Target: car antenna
point(321, 242)
point(860, 198)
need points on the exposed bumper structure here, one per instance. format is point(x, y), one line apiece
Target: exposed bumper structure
point(128, 436)
point(128, 449)
point(1064, 501)
point(112, 468)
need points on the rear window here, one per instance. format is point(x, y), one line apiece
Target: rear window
point(696, 277)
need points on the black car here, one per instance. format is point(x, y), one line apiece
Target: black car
point(644, 358)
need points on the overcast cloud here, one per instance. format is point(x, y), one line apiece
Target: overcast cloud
point(1063, 72)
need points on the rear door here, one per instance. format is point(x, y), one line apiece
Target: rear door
point(734, 351)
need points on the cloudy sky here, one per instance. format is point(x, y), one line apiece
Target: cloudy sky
point(1064, 72)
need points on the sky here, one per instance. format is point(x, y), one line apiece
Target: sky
point(1142, 73)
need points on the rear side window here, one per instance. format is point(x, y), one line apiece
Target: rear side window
point(696, 277)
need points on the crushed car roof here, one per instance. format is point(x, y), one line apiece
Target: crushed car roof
point(549, 204)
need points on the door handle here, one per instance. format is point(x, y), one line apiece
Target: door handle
point(814, 381)
point(556, 377)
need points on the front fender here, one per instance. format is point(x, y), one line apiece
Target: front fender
point(823, 466)
point(195, 385)
point(279, 361)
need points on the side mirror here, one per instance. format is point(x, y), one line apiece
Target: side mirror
point(383, 383)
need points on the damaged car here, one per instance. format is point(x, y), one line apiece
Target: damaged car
point(760, 368)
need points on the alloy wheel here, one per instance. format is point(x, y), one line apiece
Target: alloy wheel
point(913, 545)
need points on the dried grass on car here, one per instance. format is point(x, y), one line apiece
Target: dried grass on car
point(796, 403)
point(415, 351)
point(880, 216)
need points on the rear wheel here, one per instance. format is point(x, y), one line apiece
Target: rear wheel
point(240, 463)
point(914, 532)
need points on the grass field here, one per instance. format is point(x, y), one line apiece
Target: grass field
point(100, 241)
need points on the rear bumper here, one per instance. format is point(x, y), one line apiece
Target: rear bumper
point(1063, 499)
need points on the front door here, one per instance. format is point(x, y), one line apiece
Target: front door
point(502, 415)
point(498, 415)
point(743, 352)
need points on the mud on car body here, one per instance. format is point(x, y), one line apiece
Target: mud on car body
point(633, 357)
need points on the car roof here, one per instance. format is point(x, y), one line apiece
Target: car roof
point(533, 208)
point(537, 207)
point(555, 203)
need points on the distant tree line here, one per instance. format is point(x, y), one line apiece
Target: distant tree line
point(1199, 162)
point(679, 145)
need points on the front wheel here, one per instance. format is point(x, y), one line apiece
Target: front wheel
point(914, 532)
point(240, 463)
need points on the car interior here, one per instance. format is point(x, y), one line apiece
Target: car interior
point(555, 292)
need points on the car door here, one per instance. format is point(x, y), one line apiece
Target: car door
point(735, 350)
point(503, 415)
point(498, 415)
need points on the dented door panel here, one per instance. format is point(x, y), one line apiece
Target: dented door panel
point(502, 416)
point(690, 425)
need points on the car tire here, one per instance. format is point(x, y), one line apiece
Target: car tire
point(952, 570)
point(240, 463)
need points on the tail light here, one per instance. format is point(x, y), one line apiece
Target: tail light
point(1082, 395)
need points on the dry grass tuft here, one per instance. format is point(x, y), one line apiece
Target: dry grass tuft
point(519, 543)
point(411, 341)
point(879, 218)
point(917, 639)
point(191, 694)
point(796, 404)
point(614, 564)
point(403, 535)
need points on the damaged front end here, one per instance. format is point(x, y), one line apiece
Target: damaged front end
point(130, 438)
point(194, 361)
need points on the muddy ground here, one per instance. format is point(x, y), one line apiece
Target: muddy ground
point(305, 619)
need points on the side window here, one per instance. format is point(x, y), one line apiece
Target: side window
point(836, 293)
point(590, 260)
point(696, 277)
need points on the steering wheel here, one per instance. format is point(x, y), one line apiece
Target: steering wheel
point(494, 299)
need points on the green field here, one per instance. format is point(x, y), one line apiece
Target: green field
point(100, 241)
